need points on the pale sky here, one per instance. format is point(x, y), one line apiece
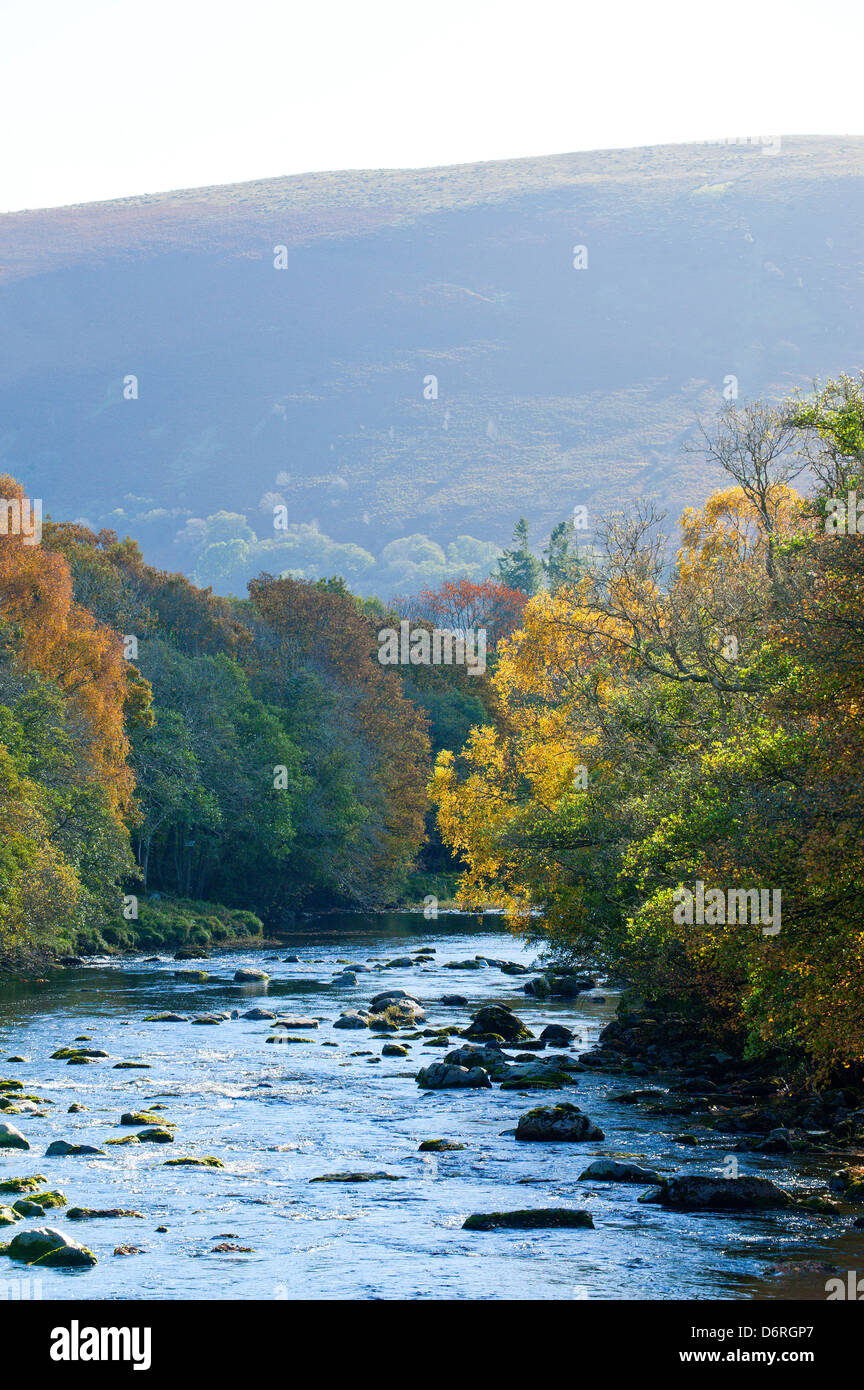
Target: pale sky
point(105, 98)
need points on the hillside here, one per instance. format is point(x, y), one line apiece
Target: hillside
point(304, 386)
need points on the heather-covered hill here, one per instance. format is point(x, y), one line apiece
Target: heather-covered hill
point(307, 387)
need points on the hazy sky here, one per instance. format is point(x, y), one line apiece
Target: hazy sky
point(106, 98)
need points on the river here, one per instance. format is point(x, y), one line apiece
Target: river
point(278, 1116)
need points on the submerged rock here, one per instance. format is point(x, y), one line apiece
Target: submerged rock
point(608, 1170)
point(439, 1146)
point(701, 1193)
point(563, 1123)
point(537, 1219)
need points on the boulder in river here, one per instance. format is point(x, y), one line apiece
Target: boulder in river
point(442, 1076)
point(25, 1206)
point(563, 1123)
point(439, 1146)
point(489, 1057)
point(20, 1185)
point(352, 1018)
point(248, 976)
point(8, 1215)
point(393, 996)
point(454, 999)
point(96, 1213)
point(166, 1017)
point(49, 1248)
point(357, 1177)
point(497, 1020)
point(699, 1192)
point(208, 1161)
point(11, 1138)
point(295, 1022)
point(537, 1219)
point(609, 1170)
point(61, 1149)
point(557, 1033)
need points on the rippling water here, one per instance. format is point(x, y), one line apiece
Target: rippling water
point(278, 1116)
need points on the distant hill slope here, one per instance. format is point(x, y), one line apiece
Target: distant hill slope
point(304, 386)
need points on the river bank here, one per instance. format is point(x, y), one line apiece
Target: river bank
point(330, 1100)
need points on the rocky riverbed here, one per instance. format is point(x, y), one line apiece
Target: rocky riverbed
point(389, 1107)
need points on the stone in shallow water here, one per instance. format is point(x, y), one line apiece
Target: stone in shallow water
point(442, 1076)
point(497, 1019)
point(166, 1017)
point(439, 1146)
point(358, 1177)
point(537, 1219)
point(95, 1213)
point(206, 1162)
point(557, 1124)
point(61, 1149)
point(31, 1184)
point(246, 975)
point(47, 1247)
point(11, 1138)
point(158, 1135)
point(608, 1170)
point(704, 1193)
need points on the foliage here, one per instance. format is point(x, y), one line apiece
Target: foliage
point(662, 726)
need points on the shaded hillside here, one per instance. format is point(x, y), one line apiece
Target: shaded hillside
point(305, 386)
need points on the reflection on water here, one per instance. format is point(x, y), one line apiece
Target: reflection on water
point(278, 1116)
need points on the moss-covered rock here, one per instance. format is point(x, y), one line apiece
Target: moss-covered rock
point(206, 1162)
point(46, 1247)
point(20, 1185)
point(497, 1019)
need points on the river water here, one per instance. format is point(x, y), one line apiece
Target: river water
point(278, 1116)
